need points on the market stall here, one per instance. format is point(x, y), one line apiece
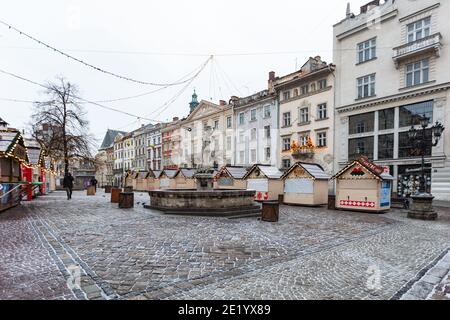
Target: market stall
point(305, 184)
point(363, 186)
point(166, 179)
point(266, 181)
point(130, 177)
point(153, 180)
point(13, 155)
point(140, 182)
point(184, 179)
point(231, 178)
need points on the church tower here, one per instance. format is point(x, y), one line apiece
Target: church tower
point(194, 103)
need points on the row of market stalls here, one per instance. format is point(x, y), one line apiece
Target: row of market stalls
point(25, 171)
point(361, 185)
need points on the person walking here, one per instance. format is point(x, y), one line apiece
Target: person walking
point(68, 185)
point(94, 183)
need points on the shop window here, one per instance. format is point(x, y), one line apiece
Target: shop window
point(408, 181)
point(413, 113)
point(361, 123)
point(405, 146)
point(360, 147)
point(386, 146)
point(386, 119)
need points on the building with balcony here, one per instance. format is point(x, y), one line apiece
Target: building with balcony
point(255, 124)
point(306, 104)
point(170, 144)
point(154, 148)
point(392, 71)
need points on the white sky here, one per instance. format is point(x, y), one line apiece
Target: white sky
point(301, 28)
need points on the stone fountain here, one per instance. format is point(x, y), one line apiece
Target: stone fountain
point(205, 200)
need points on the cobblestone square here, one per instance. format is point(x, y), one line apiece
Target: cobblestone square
point(312, 253)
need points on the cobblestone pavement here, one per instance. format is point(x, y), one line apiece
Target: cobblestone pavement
point(312, 253)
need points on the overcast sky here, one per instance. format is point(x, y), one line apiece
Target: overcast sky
point(157, 41)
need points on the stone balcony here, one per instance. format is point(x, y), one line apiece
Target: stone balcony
point(431, 44)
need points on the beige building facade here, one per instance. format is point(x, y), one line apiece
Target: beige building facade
point(392, 71)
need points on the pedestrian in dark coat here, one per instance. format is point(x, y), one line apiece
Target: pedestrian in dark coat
point(94, 183)
point(68, 185)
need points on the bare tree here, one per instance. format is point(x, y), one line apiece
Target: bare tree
point(59, 124)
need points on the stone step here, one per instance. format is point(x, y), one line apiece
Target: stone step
point(250, 215)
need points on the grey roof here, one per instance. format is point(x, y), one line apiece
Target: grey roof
point(7, 138)
point(188, 173)
point(108, 141)
point(236, 172)
point(170, 173)
point(316, 171)
point(157, 173)
point(269, 171)
point(3, 122)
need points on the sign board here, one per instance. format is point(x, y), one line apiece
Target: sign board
point(299, 186)
point(385, 194)
point(261, 185)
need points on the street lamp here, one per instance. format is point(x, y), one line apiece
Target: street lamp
point(422, 202)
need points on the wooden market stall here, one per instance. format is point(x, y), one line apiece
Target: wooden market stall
point(36, 160)
point(166, 179)
point(305, 184)
point(140, 183)
point(266, 181)
point(230, 177)
point(153, 180)
point(13, 157)
point(130, 179)
point(363, 186)
point(185, 179)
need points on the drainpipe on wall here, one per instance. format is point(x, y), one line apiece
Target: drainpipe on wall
point(334, 126)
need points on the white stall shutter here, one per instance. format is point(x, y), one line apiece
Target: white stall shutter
point(299, 186)
point(261, 185)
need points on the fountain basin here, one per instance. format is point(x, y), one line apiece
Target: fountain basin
point(204, 202)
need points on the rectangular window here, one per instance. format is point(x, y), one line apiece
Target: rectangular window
point(286, 119)
point(419, 30)
point(228, 122)
point(241, 136)
point(286, 144)
point(253, 134)
point(386, 146)
point(216, 124)
point(360, 147)
point(286, 95)
point(412, 114)
point(241, 118)
point(367, 50)
point(304, 115)
point(228, 143)
point(268, 153)
point(361, 123)
point(417, 73)
point(322, 84)
point(253, 115)
point(366, 86)
point(321, 139)
point(286, 163)
point(386, 119)
point(242, 157)
point(303, 139)
point(405, 146)
point(322, 111)
point(304, 89)
point(267, 131)
point(253, 156)
point(267, 112)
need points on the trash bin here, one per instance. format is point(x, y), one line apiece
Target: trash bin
point(108, 189)
point(91, 191)
point(270, 211)
point(126, 200)
point(331, 202)
point(115, 193)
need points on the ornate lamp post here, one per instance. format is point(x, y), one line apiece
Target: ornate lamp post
point(422, 207)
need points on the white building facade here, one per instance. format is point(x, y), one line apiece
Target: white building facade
point(393, 70)
point(154, 148)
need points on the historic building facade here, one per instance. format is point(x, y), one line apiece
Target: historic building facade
point(306, 104)
point(170, 144)
point(255, 128)
point(392, 71)
point(154, 148)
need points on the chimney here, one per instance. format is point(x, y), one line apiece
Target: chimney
point(271, 75)
point(370, 5)
point(175, 119)
point(222, 102)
